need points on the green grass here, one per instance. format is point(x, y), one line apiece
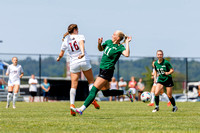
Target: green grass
point(115, 117)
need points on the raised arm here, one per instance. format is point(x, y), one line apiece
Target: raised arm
point(82, 47)
point(100, 47)
point(126, 52)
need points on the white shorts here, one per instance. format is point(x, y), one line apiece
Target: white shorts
point(81, 66)
point(12, 83)
point(133, 90)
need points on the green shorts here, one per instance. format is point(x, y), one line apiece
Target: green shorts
point(106, 74)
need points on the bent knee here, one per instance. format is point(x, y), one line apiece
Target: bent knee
point(157, 93)
point(169, 96)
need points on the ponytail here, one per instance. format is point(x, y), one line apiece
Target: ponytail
point(122, 36)
point(70, 30)
point(66, 34)
point(125, 38)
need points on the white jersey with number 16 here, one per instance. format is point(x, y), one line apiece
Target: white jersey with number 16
point(71, 44)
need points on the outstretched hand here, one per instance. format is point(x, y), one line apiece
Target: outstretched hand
point(100, 40)
point(58, 59)
point(129, 38)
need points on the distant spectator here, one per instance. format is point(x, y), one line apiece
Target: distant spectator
point(113, 86)
point(45, 89)
point(32, 88)
point(122, 86)
point(132, 86)
point(140, 87)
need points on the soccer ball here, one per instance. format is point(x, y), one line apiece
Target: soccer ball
point(145, 97)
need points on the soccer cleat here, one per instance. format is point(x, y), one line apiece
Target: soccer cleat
point(7, 106)
point(77, 110)
point(156, 109)
point(73, 113)
point(174, 109)
point(168, 104)
point(14, 107)
point(151, 104)
point(96, 105)
point(129, 94)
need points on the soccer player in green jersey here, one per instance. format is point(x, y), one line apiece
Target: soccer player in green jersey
point(112, 50)
point(164, 69)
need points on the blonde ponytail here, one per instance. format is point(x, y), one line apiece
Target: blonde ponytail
point(122, 36)
point(125, 38)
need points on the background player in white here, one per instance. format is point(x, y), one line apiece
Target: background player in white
point(79, 61)
point(15, 72)
point(153, 86)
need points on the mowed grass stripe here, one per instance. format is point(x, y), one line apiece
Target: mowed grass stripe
point(112, 117)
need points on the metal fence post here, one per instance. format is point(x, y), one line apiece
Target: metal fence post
point(186, 77)
point(118, 70)
point(40, 62)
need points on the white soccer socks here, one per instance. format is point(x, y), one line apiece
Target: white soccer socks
point(72, 95)
point(152, 97)
point(9, 97)
point(90, 86)
point(14, 99)
point(82, 108)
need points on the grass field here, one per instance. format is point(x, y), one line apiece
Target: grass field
point(112, 117)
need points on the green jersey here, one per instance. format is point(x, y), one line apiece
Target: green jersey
point(161, 68)
point(111, 54)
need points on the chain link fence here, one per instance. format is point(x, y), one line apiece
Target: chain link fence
point(45, 65)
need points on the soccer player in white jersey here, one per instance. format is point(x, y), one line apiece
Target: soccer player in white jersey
point(15, 72)
point(162, 93)
point(79, 61)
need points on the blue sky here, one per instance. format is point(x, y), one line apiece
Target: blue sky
point(37, 26)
